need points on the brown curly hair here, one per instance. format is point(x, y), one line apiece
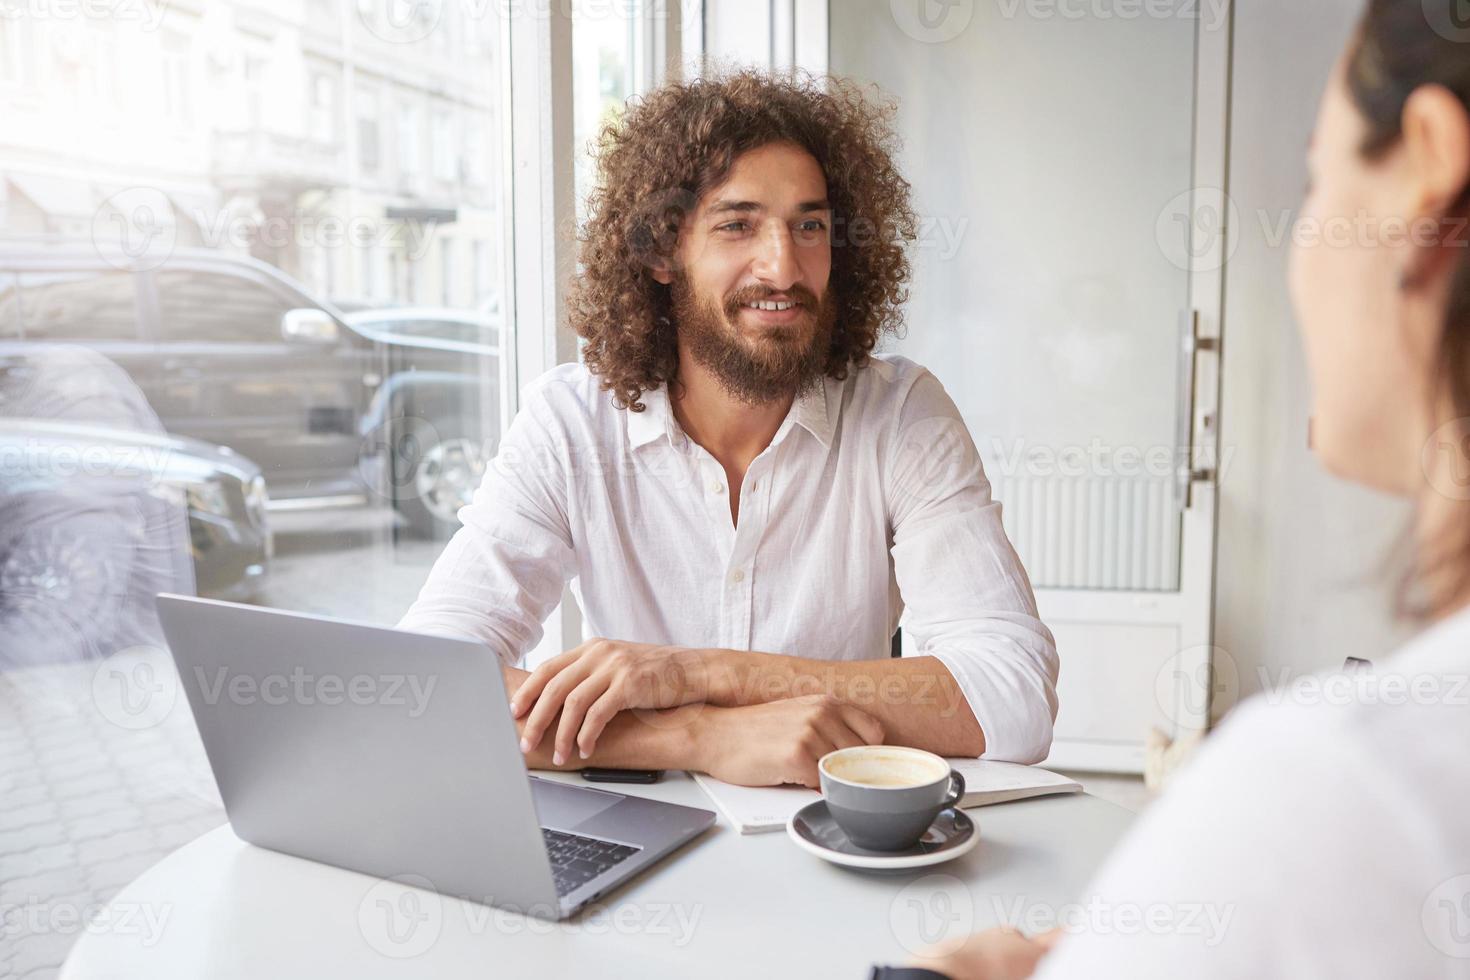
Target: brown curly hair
point(680, 141)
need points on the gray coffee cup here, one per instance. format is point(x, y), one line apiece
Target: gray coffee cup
point(884, 797)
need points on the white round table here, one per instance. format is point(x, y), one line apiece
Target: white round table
point(726, 906)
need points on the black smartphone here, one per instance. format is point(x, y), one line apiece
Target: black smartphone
point(595, 775)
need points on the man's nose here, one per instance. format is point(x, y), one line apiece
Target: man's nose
point(775, 263)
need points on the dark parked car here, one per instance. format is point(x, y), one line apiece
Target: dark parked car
point(232, 352)
point(100, 511)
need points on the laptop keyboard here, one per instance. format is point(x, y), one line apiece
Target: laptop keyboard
point(576, 860)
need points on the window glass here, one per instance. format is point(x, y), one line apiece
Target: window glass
point(173, 181)
point(607, 43)
point(205, 307)
point(79, 307)
point(9, 307)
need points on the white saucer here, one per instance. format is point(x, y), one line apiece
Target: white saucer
point(952, 834)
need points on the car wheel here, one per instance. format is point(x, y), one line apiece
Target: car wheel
point(62, 594)
point(436, 482)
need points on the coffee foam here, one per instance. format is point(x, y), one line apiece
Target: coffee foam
point(887, 768)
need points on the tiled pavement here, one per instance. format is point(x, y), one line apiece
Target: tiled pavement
point(94, 789)
point(89, 798)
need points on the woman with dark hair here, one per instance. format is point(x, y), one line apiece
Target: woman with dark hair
point(1329, 835)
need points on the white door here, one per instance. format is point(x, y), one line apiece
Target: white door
point(1068, 172)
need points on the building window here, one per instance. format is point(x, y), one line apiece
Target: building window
point(446, 153)
point(473, 165)
point(323, 108)
point(326, 278)
point(254, 85)
point(369, 133)
point(446, 271)
point(408, 141)
point(480, 259)
point(367, 288)
point(15, 51)
point(174, 64)
point(99, 69)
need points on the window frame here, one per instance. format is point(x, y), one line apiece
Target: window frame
point(539, 165)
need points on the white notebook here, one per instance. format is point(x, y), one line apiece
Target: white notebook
point(757, 809)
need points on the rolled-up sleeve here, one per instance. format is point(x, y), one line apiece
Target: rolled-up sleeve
point(967, 597)
point(503, 572)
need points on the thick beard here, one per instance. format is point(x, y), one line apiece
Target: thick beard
point(783, 363)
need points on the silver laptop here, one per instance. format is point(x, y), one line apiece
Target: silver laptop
point(395, 754)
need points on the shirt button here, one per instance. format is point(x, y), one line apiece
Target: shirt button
point(716, 487)
point(738, 575)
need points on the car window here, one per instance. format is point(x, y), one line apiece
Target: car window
point(85, 305)
point(212, 307)
point(439, 330)
point(9, 307)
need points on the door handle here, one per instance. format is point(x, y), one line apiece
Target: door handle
point(1196, 440)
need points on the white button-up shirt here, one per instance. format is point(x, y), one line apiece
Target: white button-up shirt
point(1318, 835)
point(869, 503)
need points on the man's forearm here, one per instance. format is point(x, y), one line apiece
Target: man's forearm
point(916, 699)
point(632, 740)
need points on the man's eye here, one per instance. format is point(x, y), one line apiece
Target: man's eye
point(814, 225)
point(734, 226)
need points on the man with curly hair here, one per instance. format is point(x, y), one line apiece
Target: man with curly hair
point(743, 496)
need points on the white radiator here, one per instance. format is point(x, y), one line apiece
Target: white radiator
point(1094, 532)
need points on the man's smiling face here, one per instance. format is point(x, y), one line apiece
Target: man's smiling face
point(750, 294)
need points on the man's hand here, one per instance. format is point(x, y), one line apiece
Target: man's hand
point(591, 684)
point(781, 741)
point(996, 954)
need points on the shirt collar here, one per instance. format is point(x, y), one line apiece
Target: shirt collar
point(810, 411)
point(655, 420)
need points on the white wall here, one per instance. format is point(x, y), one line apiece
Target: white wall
point(1301, 580)
point(1303, 573)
